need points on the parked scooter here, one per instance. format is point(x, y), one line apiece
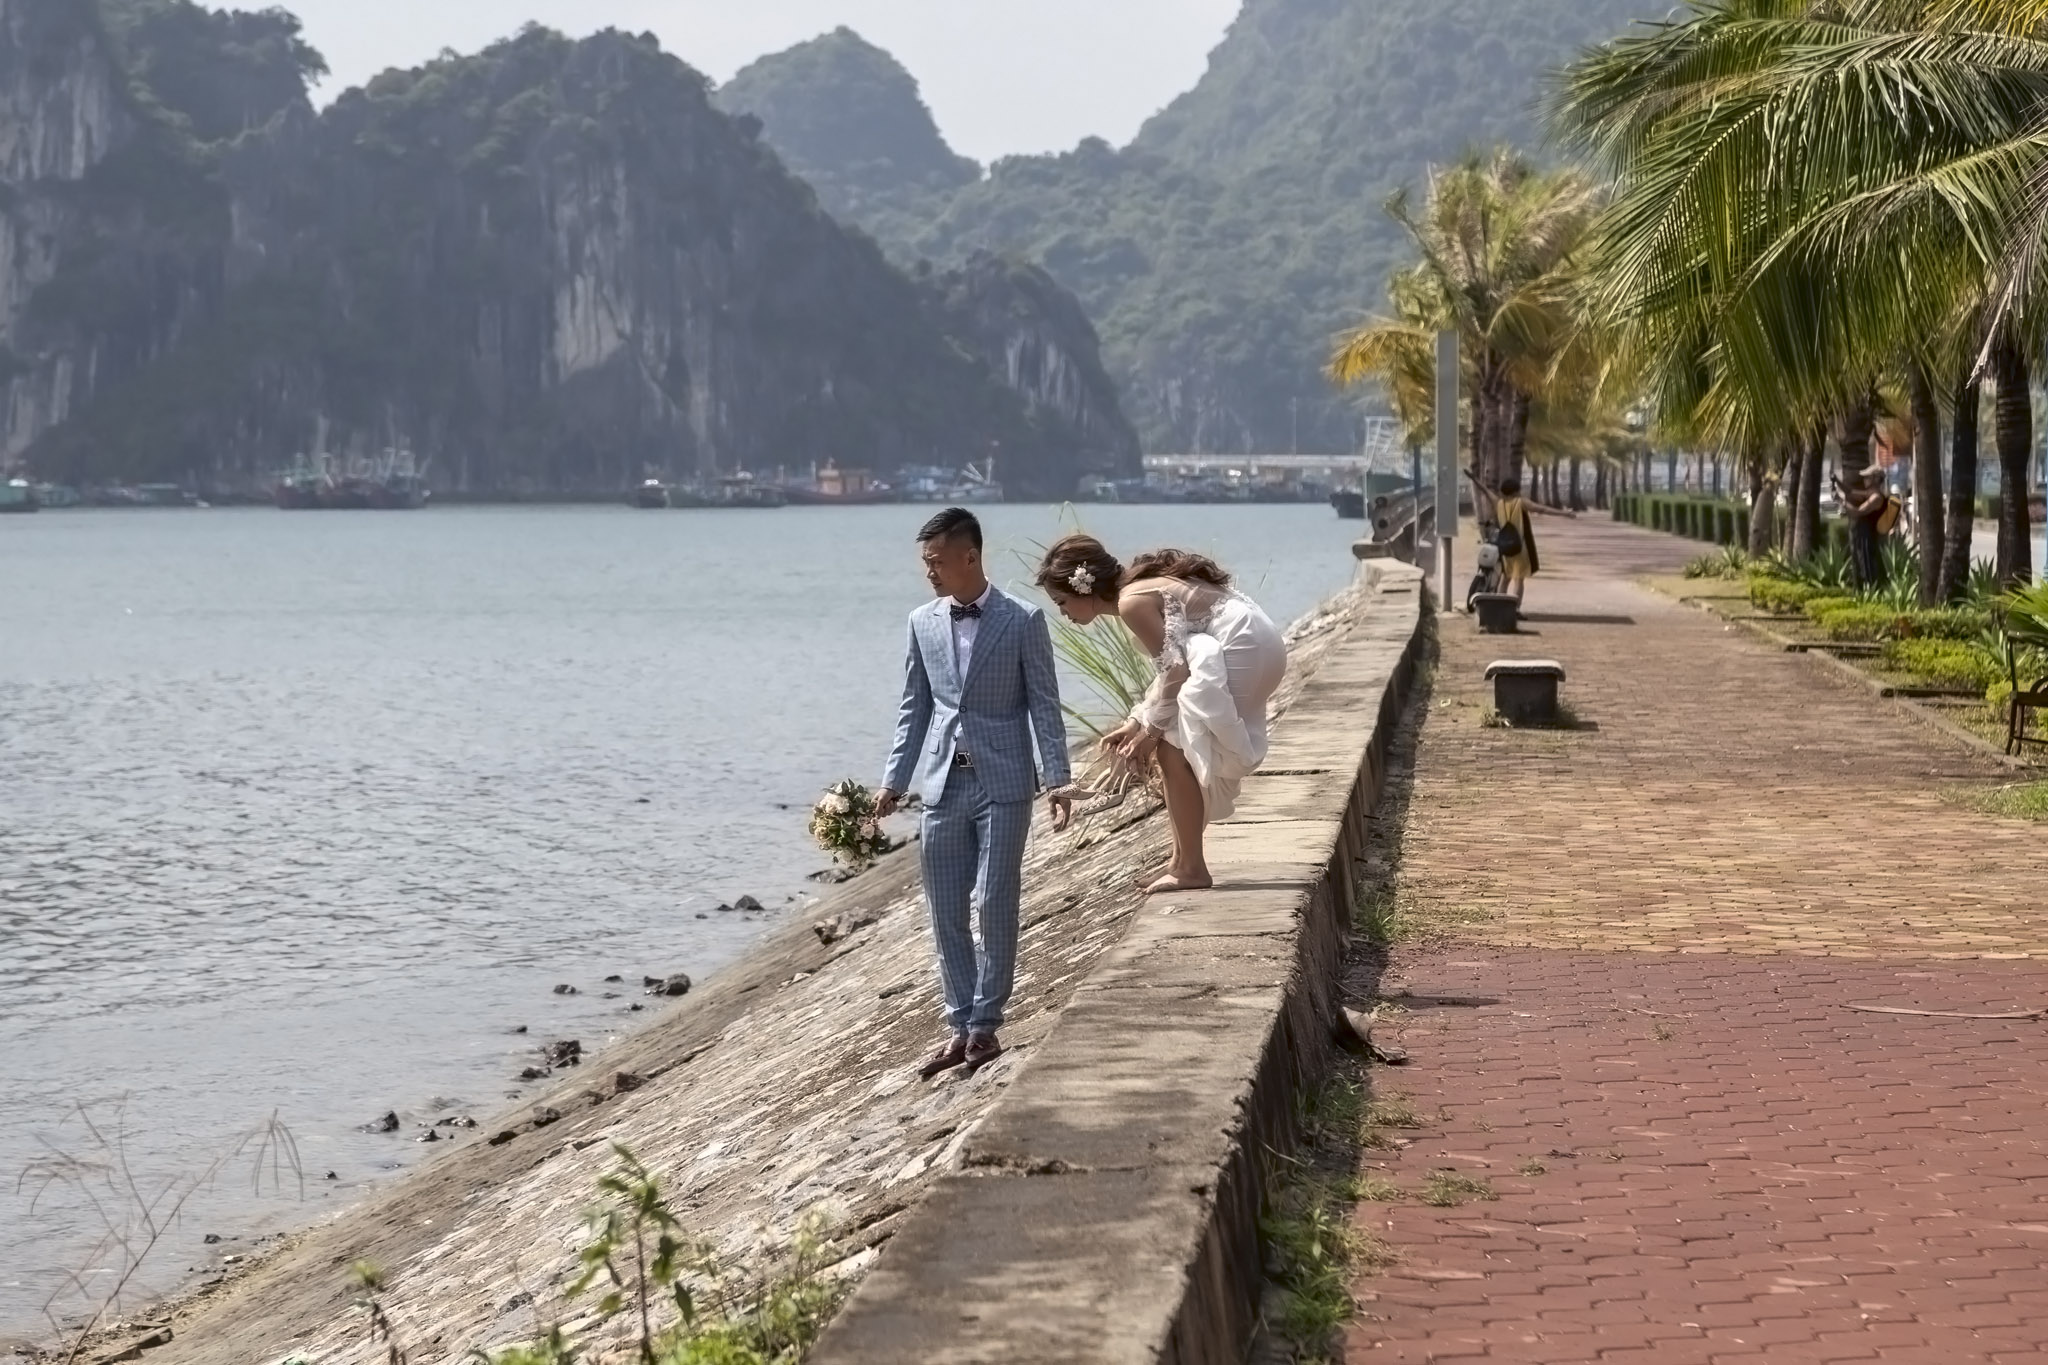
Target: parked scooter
point(1488, 579)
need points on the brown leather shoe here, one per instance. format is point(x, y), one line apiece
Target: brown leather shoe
point(953, 1054)
point(982, 1048)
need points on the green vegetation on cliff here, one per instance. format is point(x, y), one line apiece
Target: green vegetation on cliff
point(1243, 228)
point(848, 119)
point(221, 72)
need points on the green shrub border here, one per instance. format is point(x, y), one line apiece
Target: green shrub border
point(1715, 521)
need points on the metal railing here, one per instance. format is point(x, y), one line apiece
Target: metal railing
point(1400, 522)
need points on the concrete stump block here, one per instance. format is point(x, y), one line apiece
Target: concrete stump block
point(1525, 690)
point(1497, 612)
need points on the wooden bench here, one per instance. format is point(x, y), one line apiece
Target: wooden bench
point(1525, 690)
point(2023, 702)
point(1498, 612)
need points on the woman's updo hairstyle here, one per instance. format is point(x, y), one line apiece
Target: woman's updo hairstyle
point(1180, 564)
point(1078, 566)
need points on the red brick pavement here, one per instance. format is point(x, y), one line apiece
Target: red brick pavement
point(1700, 1153)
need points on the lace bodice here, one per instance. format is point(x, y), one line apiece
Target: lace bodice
point(1189, 609)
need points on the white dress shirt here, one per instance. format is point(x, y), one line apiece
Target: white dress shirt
point(965, 628)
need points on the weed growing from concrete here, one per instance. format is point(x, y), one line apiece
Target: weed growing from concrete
point(1378, 918)
point(1447, 1189)
point(1314, 1246)
point(1663, 1032)
point(369, 1281)
point(682, 1305)
point(1533, 1167)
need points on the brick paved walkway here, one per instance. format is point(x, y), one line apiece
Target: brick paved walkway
point(1639, 1034)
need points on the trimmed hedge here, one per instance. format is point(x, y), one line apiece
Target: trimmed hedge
point(1945, 663)
point(1704, 519)
point(1949, 623)
point(1718, 523)
point(1826, 602)
point(1849, 618)
point(1860, 623)
point(1780, 596)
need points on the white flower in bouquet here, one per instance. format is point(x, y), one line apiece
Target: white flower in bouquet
point(845, 825)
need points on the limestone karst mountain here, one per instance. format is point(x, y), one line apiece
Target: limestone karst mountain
point(552, 266)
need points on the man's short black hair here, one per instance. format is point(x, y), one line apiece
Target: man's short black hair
point(951, 523)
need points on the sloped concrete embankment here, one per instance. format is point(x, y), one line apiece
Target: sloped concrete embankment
point(1107, 1209)
point(784, 1083)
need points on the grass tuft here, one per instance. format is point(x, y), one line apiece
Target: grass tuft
point(1313, 1244)
point(1387, 918)
point(1392, 1111)
point(1373, 1189)
point(2014, 801)
point(1447, 1189)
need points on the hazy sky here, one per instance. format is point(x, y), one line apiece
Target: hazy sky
point(1003, 76)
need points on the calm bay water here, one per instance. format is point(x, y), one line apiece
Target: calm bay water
point(305, 814)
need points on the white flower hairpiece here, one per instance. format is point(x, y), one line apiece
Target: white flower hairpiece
point(1082, 580)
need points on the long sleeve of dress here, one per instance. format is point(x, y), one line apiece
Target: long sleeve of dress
point(1159, 709)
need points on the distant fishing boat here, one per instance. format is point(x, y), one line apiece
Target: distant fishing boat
point(16, 496)
point(392, 481)
point(972, 484)
point(831, 486)
point(650, 496)
point(733, 490)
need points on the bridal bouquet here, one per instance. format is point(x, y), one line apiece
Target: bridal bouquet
point(845, 825)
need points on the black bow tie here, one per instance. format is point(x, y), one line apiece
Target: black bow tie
point(972, 612)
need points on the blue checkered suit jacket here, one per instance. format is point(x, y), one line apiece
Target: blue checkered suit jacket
point(1011, 693)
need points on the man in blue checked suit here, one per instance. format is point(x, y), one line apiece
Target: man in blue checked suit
point(980, 700)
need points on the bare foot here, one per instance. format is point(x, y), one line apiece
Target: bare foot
point(1174, 881)
point(1144, 880)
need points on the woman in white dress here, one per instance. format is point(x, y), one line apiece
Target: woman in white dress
point(1217, 661)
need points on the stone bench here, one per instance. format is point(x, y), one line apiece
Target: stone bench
point(1497, 612)
point(1525, 690)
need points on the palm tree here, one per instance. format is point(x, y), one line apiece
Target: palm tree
point(1496, 240)
point(1804, 187)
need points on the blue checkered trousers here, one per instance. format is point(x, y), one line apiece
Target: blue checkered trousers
point(976, 818)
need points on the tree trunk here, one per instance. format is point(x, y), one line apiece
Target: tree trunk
point(1852, 434)
point(1962, 492)
point(2015, 448)
point(1600, 485)
point(1516, 407)
point(1762, 502)
point(1927, 518)
point(1806, 523)
point(1573, 498)
point(1788, 487)
point(1490, 416)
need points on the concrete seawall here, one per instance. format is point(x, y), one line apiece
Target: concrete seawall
point(1091, 1196)
point(1107, 1209)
